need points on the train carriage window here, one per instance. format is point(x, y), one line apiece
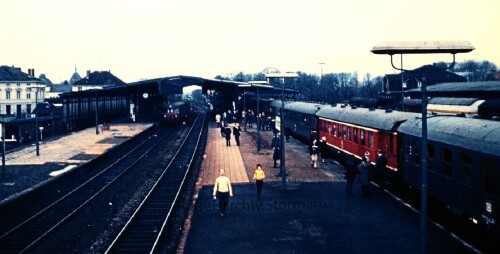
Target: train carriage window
point(349, 129)
point(362, 136)
point(335, 132)
point(370, 139)
point(447, 162)
point(431, 155)
point(330, 129)
point(491, 177)
point(355, 135)
point(466, 168)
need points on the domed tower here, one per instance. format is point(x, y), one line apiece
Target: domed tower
point(74, 78)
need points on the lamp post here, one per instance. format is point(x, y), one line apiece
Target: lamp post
point(36, 123)
point(3, 124)
point(96, 110)
point(320, 80)
point(245, 110)
point(96, 115)
point(422, 47)
point(257, 85)
point(282, 77)
point(259, 120)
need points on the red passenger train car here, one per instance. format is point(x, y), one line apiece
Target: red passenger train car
point(362, 131)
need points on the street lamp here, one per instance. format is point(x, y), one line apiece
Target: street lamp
point(96, 114)
point(282, 77)
point(3, 126)
point(37, 87)
point(320, 81)
point(257, 85)
point(422, 47)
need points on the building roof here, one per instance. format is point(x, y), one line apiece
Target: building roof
point(11, 74)
point(433, 75)
point(100, 78)
point(60, 88)
point(480, 86)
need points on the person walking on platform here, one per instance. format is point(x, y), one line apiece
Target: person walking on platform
point(222, 129)
point(322, 147)
point(217, 119)
point(364, 174)
point(380, 168)
point(314, 153)
point(350, 173)
point(227, 132)
point(288, 132)
point(259, 176)
point(222, 191)
point(276, 143)
point(236, 133)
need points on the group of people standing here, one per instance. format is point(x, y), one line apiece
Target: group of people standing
point(364, 171)
point(318, 148)
point(226, 129)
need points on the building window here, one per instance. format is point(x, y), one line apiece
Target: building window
point(28, 95)
point(28, 109)
point(18, 95)
point(7, 95)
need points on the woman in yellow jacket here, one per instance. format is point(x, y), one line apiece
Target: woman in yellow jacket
point(259, 176)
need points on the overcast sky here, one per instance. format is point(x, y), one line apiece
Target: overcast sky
point(157, 38)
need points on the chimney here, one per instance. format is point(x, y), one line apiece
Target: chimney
point(88, 73)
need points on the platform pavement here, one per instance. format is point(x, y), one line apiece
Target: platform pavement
point(308, 217)
point(219, 156)
point(24, 170)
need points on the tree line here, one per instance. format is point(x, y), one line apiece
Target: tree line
point(341, 87)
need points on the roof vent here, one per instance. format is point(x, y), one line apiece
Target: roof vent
point(388, 110)
point(372, 109)
point(495, 118)
point(353, 107)
point(343, 106)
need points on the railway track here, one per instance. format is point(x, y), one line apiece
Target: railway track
point(27, 235)
point(143, 231)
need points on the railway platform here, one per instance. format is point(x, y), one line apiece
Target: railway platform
point(24, 170)
point(312, 215)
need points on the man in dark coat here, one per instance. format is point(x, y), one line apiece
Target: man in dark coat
point(323, 148)
point(276, 149)
point(350, 173)
point(381, 167)
point(227, 131)
point(236, 133)
point(364, 170)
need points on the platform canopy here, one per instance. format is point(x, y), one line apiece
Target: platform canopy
point(422, 47)
point(184, 81)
